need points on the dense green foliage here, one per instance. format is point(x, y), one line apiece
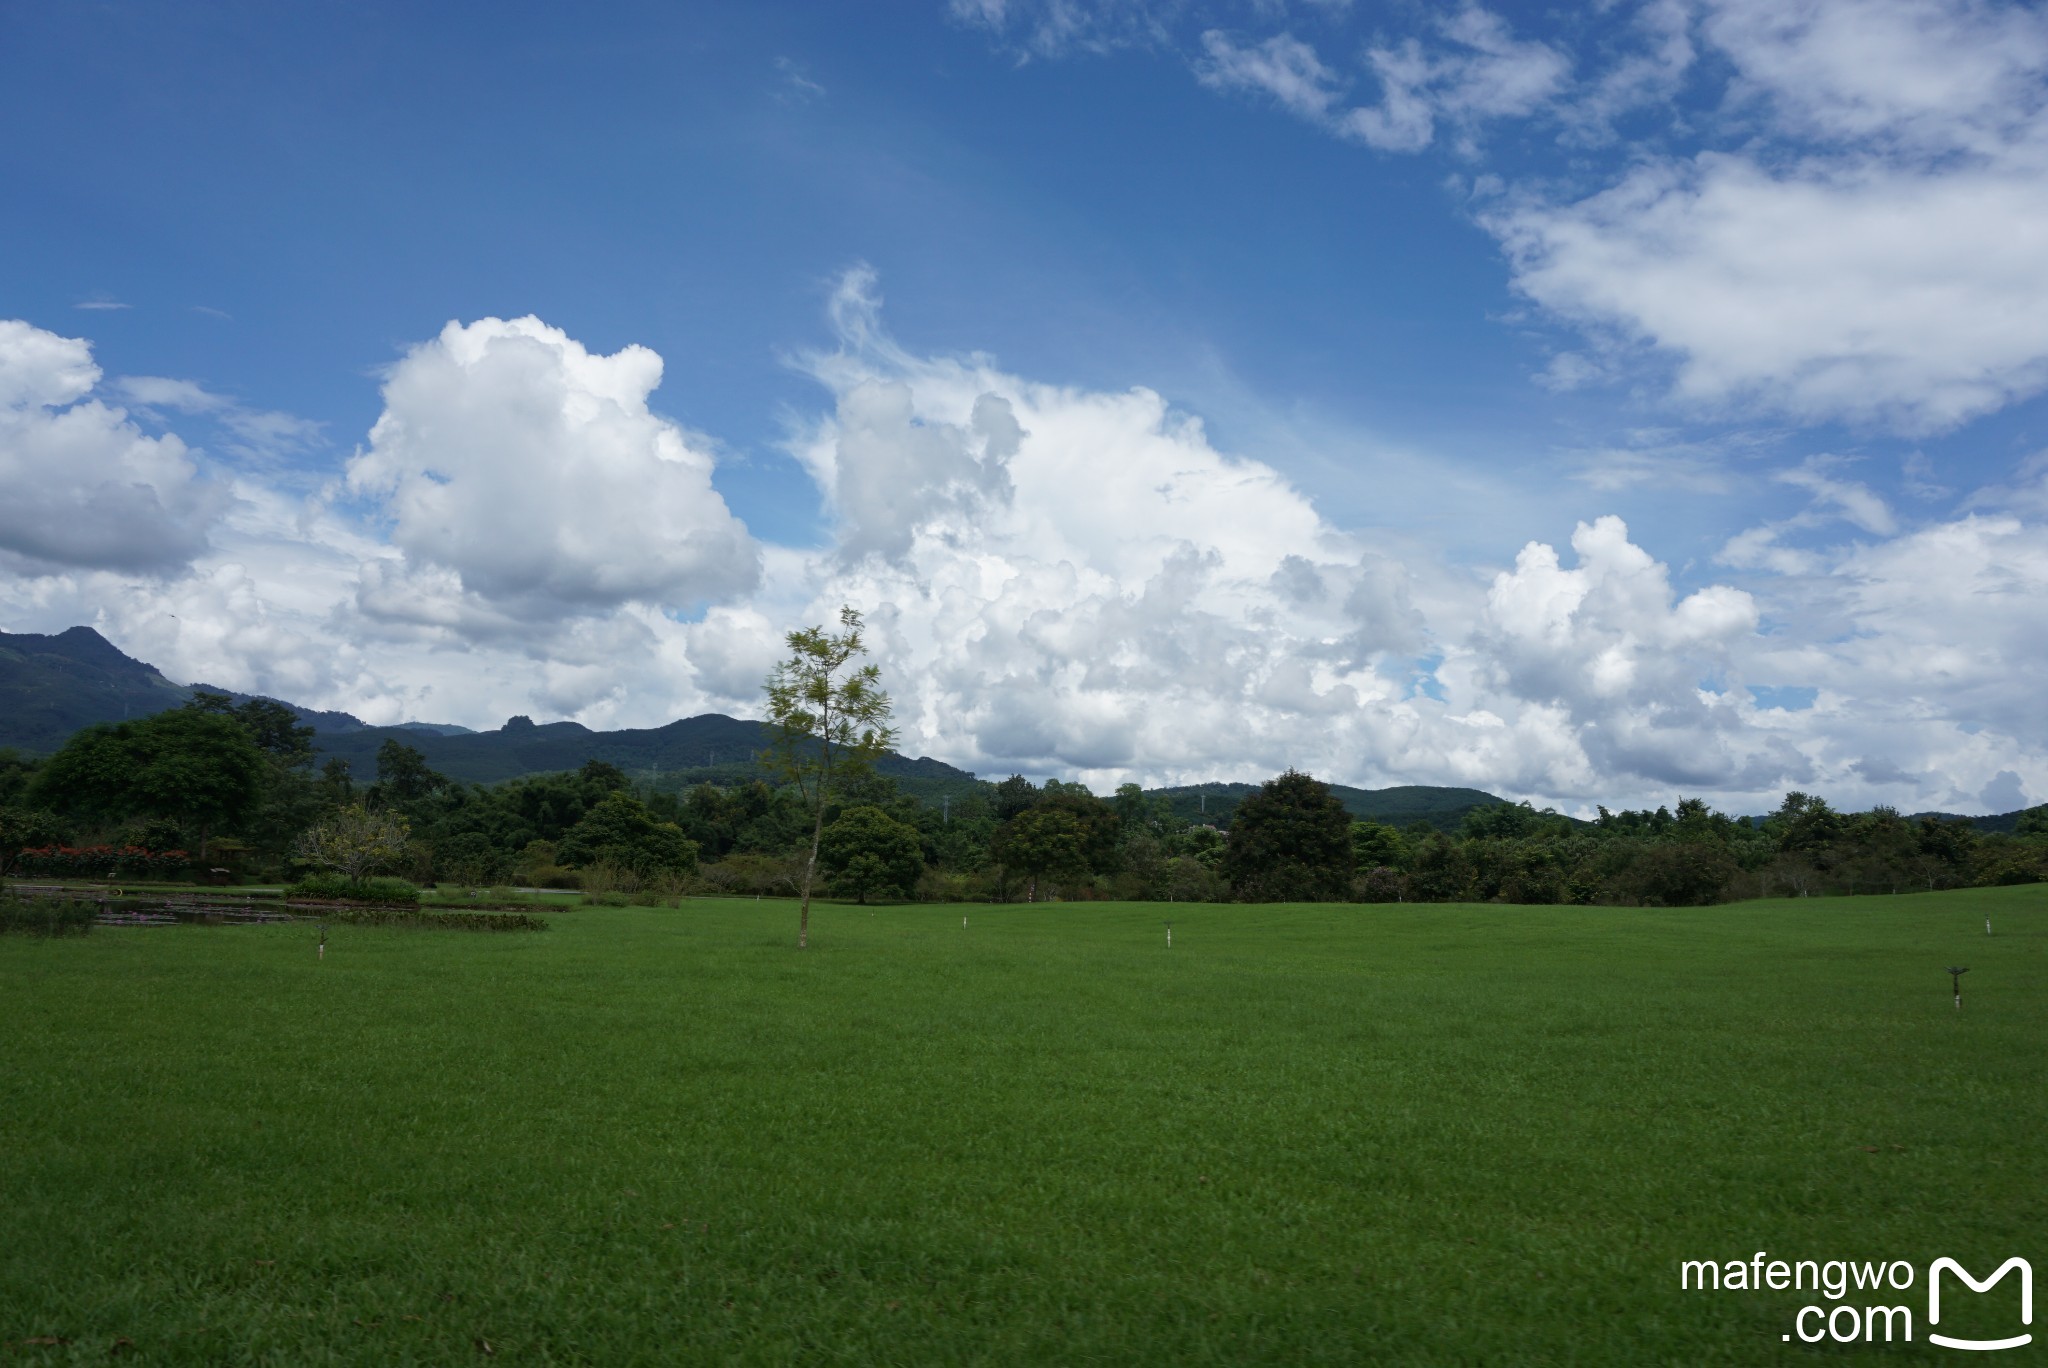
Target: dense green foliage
point(620, 831)
point(432, 919)
point(1320, 1134)
point(189, 766)
point(330, 886)
point(1290, 842)
point(46, 916)
point(114, 801)
point(866, 851)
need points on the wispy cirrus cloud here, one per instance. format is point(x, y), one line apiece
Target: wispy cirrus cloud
point(1826, 210)
point(251, 433)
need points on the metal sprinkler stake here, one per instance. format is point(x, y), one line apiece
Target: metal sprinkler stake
point(1955, 976)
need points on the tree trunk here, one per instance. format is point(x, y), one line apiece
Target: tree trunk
point(803, 916)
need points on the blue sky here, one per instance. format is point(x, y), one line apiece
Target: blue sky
point(1589, 407)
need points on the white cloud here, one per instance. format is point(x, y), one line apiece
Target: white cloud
point(1478, 71)
point(256, 434)
point(1823, 210)
point(525, 477)
point(84, 486)
point(1079, 582)
point(1850, 499)
point(1820, 290)
point(1057, 28)
point(1925, 75)
point(1860, 237)
point(796, 87)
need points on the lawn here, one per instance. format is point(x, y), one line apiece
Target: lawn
point(1430, 1134)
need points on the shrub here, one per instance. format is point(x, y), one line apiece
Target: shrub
point(327, 886)
point(607, 900)
point(435, 921)
point(46, 916)
point(741, 874)
point(1380, 884)
point(609, 876)
point(1676, 874)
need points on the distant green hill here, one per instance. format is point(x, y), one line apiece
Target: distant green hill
point(710, 748)
point(51, 686)
point(1400, 806)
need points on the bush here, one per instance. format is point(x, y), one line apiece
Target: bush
point(607, 900)
point(1676, 874)
point(1380, 884)
point(46, 916)
point(327, 886)
point(740, 875)
point(435, 921)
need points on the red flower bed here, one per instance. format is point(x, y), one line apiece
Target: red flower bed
point(88, 862)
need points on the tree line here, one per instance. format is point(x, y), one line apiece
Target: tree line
point(235, 788)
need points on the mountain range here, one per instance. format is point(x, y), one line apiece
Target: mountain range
point(51, 686)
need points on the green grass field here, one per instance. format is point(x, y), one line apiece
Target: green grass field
point(1428, 1134)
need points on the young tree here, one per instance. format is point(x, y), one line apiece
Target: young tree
point(826, 717)
point(355, 841)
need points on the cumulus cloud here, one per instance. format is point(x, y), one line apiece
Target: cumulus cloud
point(1900, 296)
point(1131, 602)
point(85, 486)
point(1858, 239)
point(1080, 582)
point(525, 477)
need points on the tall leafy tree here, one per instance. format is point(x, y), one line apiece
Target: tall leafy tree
point(291, 801)
point(1043, 843)
point(621, 831)
point(1014, 795)
point(1375, 845)
point(24, 829)
point(828, 716)
point(1067, 833)
point(865, 850)
point(196, 768)
point(1290, 842)
point(403, 774)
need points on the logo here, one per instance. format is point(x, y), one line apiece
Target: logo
point(2026, 1271)
point(1841, 1281)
